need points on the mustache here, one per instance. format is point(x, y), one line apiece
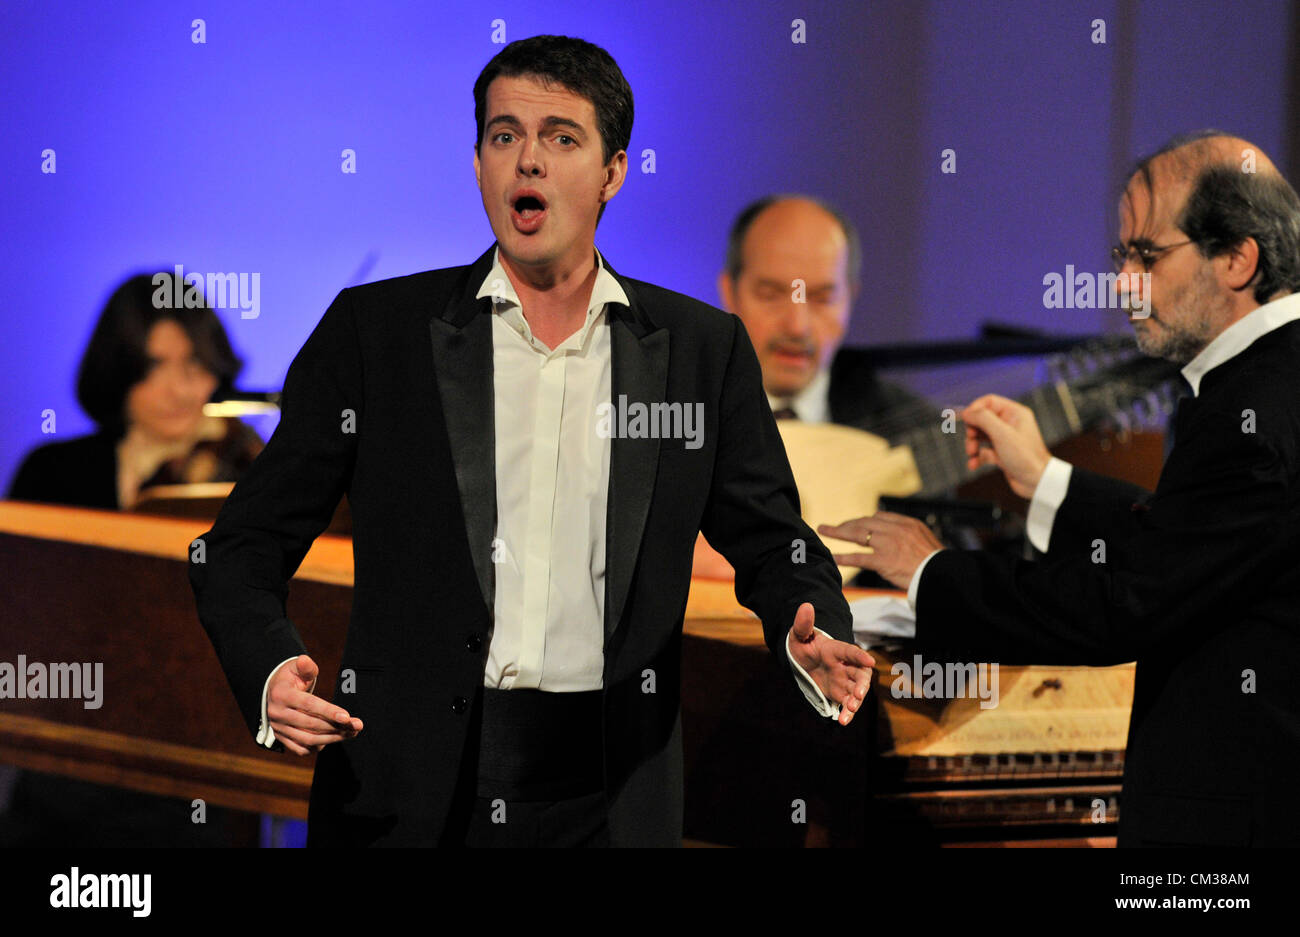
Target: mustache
point(1138, 310)
point(792, 348)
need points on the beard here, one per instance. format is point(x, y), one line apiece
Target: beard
point(1173, 343)
point(1184, 335)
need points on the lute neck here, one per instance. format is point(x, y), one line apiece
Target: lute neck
point(941, 456)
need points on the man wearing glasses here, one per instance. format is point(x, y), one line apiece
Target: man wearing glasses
point(1199, 581)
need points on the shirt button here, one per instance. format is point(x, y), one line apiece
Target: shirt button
point(459, 705)
point(473, 643)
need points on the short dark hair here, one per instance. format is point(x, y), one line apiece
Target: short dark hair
point(574, 64)
point(116, 359)
point(740, 227)
point(1226, 205)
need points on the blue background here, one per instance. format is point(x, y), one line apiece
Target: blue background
point(225, 156)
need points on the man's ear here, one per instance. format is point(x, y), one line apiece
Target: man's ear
point(1240, 265)
point(615, 173)
point(478, 178)
point(726, 291)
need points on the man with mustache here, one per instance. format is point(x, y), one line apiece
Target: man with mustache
point(794, 266)
point(793, 271)
point(521, 574)
point(1199, 581)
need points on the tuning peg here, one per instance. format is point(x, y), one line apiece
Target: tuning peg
point(1142, 411)
point(1095, 357)
point(1056, 370)
point(1123, 426)
point(1157, 403)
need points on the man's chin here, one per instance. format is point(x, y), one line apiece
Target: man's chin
point(527, 255)
point(521, 246)
point(1144, 328)
point(1170, 348)
point(1147, 343)
point(535, 250)
point(789, 388)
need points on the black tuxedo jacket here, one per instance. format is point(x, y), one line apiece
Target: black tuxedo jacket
point(410, 361)
point(1200, 584)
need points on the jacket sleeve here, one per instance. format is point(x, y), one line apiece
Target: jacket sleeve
point(240, 569)
point(752, 514)
point(1166, 569)
point(1093, 501)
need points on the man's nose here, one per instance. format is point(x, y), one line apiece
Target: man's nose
point(1133, 284)
point(795, 320)
point(530, 159)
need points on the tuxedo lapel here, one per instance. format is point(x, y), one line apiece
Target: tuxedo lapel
point(639, 374)
point(461, 335)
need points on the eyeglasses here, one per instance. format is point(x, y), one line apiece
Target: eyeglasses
point(1146, 256)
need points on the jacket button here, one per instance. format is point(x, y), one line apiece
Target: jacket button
point(459, 705)
point(473, 643)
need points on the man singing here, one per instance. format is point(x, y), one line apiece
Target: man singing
point(522, 534)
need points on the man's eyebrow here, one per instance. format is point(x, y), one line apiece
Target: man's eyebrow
point(548, 122)
point(782, 285)
point(564, 122)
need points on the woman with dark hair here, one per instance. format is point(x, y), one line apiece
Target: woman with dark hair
point(150, 367)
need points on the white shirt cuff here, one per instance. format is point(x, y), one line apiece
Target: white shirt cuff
point(1047, 499)
point(266, 735)
point(914, 586)
point(811, 690)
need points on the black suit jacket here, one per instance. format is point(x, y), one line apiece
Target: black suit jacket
point(80, 471)
point(858, 397)
point(1200, 585)
point(412, 359)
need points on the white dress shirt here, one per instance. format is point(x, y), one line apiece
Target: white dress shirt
point(552, 487)
point(1055, 482)
point(552, 482)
